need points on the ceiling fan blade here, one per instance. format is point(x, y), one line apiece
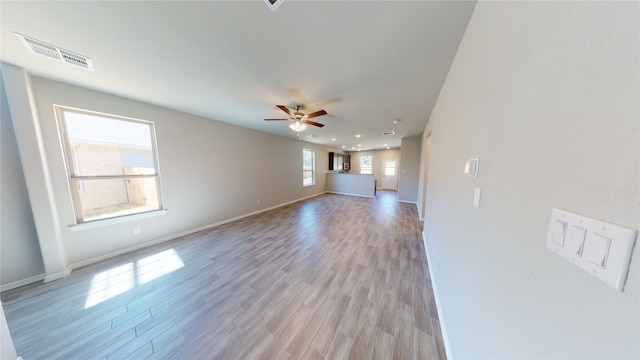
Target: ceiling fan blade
point(299, 97)
point(313, 123)
point(285, 109)
point(316, 114)
point(275, 119)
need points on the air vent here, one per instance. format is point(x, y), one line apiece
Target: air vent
point(388, 133)
point(42, 48)
point(273, 4)
point(53, 52)
point(74, 59)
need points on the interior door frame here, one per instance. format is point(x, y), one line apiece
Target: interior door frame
point(425, 175)
point(395, 183)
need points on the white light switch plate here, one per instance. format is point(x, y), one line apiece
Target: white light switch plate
point(471, 167)
point(476, 197)
point(600, 248)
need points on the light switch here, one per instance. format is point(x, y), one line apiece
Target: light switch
point(575, 241)
point(596, 248)
point(471, 167)
point(559, 229)
point(601, 248)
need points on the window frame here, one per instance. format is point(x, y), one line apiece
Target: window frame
point(75, 182)
point(395, 165)
point(313, 167)
point(369, 167)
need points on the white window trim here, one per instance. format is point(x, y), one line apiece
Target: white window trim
point(313, 168)
point(72, 179)
point(369, 167)
point(94, 224)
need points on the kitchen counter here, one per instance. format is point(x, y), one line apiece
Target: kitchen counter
point(351, 184)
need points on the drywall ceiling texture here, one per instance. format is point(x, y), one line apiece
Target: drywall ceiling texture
point(546, 95)
point(365, 62)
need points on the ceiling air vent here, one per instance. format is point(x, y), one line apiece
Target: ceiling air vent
point(273, 4)
point(388, 133)
point(53, 52)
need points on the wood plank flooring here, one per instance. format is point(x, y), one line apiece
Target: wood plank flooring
point(332, 277)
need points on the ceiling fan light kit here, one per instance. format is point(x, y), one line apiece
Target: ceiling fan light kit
point(297, 126)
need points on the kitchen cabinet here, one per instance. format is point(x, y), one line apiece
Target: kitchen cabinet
point(346, 162)
point(337, 161)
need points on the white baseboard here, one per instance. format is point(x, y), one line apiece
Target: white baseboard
point(181, 234)
point(96, 259)
point(23, 282)
point(434, 285)
point(59, 275)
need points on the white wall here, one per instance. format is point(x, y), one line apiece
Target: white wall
point(409, 169)
point(378, 160)
point(423, 176)
point(351, 184)
point(546, 95)
point(20, 257)
point(211, 171)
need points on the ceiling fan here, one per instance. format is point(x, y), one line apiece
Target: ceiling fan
point(300, 119)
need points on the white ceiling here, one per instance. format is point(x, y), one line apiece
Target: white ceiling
point(366, 63)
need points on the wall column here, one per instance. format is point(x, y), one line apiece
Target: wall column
point(36, 170)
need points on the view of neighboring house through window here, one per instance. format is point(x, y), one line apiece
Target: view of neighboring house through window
point(308, 167)
point(112, 164)
point(366, 164)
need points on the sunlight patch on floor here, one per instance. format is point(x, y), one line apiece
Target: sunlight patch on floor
point(155, 266)
point(110, 283)
point(113, 282)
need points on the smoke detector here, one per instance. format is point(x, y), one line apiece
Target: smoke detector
point(53, 52)
point(273, 4)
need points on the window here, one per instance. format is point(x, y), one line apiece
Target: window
point(366, 164)
point(389, 167)
point(112, 164)
point(308, 167)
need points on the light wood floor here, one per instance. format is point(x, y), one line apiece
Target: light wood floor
point(333, 277)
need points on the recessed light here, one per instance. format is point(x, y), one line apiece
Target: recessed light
point(359, 144)
point(396, 121)
point(358, 135)
point(343, 146)
point(353, 147)
point(386, 145)
point(334, 139)
point(388, 148)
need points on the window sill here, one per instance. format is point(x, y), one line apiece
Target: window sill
point(117, 220)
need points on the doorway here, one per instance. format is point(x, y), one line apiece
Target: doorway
point(390, 175)
point(425, 176)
